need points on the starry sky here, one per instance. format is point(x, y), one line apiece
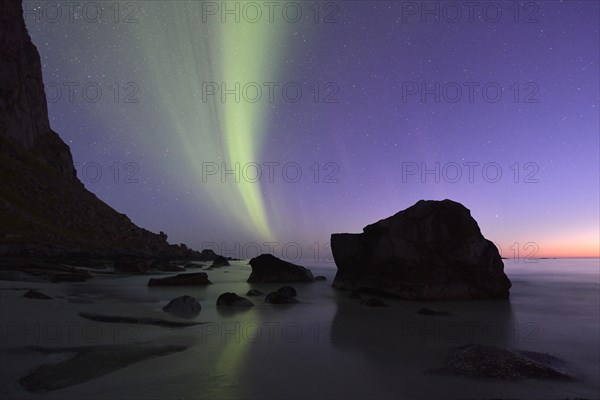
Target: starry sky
point(252, 127)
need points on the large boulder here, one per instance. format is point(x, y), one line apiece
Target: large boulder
point(433, 250)
point(197, 278)
point(268, 268)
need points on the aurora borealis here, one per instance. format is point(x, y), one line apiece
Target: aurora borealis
point(330, 116)
point(192, 62)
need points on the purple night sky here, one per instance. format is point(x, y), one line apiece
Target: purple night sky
point(498, 109)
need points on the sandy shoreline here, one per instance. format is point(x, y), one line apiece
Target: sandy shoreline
point(328, 346)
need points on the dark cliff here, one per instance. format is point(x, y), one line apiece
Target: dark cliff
point(44, 208)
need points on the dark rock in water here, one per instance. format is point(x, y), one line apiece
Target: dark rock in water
point(287, 291)
point(254, 292)
point(75, 276)
point(34, 294)
point(193, 265)
point(354, 295)
point(21, 276)
point(492, 362)
point(320, 278)
point(280, 298)
point(429, 311)
point(165, 266)
point(130, 266)
point(88, 363)
point(133, 265)
point(121, 319)
point(33, 269)
point(268, 268)
point(230, 299)
point(432, 250)
point(195, 278)
point(373, 302)
point(173, 268)
point(219, 261)
point(208, 254)
point(183, 306)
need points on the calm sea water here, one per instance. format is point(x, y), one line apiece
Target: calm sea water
point(329, 346)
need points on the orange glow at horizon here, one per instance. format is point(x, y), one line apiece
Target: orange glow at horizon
point(571, 245)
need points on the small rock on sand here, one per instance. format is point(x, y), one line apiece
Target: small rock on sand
point(34, 294)
point(230, 299)
point(183, 306)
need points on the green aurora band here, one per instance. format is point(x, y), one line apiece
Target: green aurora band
point(187, 58)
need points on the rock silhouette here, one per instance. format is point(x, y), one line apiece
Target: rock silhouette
point(268, 268)
point(283, 295)
point(219, 261)
point(491, 362)
point(230, 299)
point(34, 294)
point(433, 250)
point(189, 279)
point(183, 306)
